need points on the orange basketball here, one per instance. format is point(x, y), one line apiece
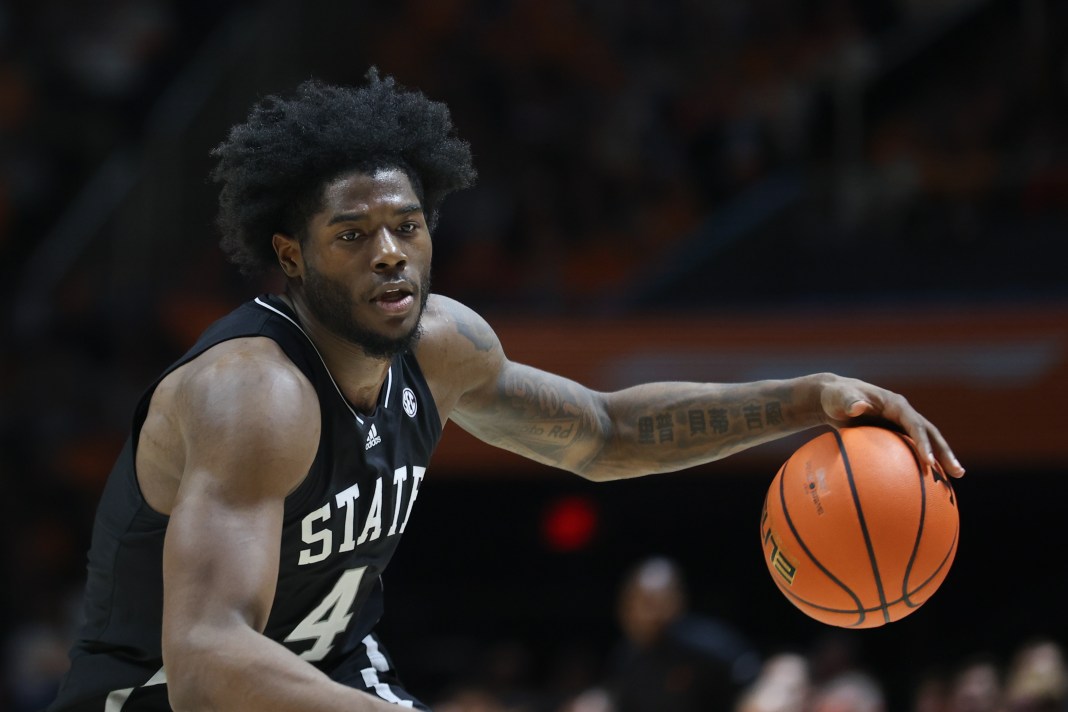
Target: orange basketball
point(857, 530)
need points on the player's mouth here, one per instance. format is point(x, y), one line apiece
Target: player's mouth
point(395, 299)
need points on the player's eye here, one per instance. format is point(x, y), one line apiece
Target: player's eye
point(408, 227)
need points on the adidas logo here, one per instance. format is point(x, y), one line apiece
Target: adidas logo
point(372, 438)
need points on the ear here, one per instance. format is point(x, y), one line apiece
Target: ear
point(289, 254)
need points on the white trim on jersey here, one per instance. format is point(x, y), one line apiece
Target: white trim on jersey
point(301, 330)
point(389, 386)
point(374, 654)
point(344, 400)
point(370, 675)
point(117, 698)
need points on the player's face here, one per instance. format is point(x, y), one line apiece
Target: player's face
point(366, 261)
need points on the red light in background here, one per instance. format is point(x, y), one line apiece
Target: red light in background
point(569, 523)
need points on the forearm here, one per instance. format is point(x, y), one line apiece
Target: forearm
point(239, 669)
point(663, 427)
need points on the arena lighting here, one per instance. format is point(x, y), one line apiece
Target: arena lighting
point(569, 523)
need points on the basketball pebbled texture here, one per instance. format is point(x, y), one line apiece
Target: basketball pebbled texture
point(857, 531)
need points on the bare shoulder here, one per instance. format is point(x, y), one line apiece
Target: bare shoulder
point(447, 322)
point(247, 367)
point(458, 351)
point(239, 404)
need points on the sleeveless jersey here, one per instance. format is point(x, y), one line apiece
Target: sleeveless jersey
point(341, 526)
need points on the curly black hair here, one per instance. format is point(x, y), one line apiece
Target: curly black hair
point(273, 167)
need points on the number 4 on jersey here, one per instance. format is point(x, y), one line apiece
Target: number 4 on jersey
point(330, 617)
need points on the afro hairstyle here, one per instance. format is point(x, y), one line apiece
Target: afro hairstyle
point(273, 168)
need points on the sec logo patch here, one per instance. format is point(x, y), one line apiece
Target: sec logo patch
point(411, 406)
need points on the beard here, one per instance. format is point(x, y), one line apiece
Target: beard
point(332, 304)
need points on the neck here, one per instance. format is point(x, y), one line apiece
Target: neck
point(358, 376)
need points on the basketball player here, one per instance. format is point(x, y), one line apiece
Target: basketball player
point(239, 545)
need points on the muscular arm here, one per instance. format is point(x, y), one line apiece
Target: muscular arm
point(657, 427)
point(250, 426)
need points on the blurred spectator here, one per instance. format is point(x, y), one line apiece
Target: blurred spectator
point(592, 700)
point(931, 694)
point(671, 660)
point(37, 655)
point(849, 692)
point(833, 653)
point(471, 699)
point(977, 687)
point(1037, 679)
point(783, 685)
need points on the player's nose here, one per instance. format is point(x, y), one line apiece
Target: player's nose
point(389, 252)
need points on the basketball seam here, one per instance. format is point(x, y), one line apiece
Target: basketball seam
point(812, 557)
point(862, 610)
point(919, 532)
point(872, 609)
point(945, 559)
point(863, 526)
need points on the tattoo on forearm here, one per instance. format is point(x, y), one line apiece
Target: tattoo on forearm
point(773, 413)
point(551, 417)
point(718, 421)
point(657, 428)
point(754, 416)
point(698, 422)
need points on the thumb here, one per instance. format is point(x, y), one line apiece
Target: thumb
point(858, 408)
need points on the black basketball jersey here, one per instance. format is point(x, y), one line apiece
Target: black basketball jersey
point(341, 527)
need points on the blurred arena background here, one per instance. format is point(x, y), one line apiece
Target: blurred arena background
point(671, 189)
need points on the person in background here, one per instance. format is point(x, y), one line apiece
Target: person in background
point(671, 660)
point(977, 686)
point(852, 691)
point(1037, 678)
point(784, 684)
